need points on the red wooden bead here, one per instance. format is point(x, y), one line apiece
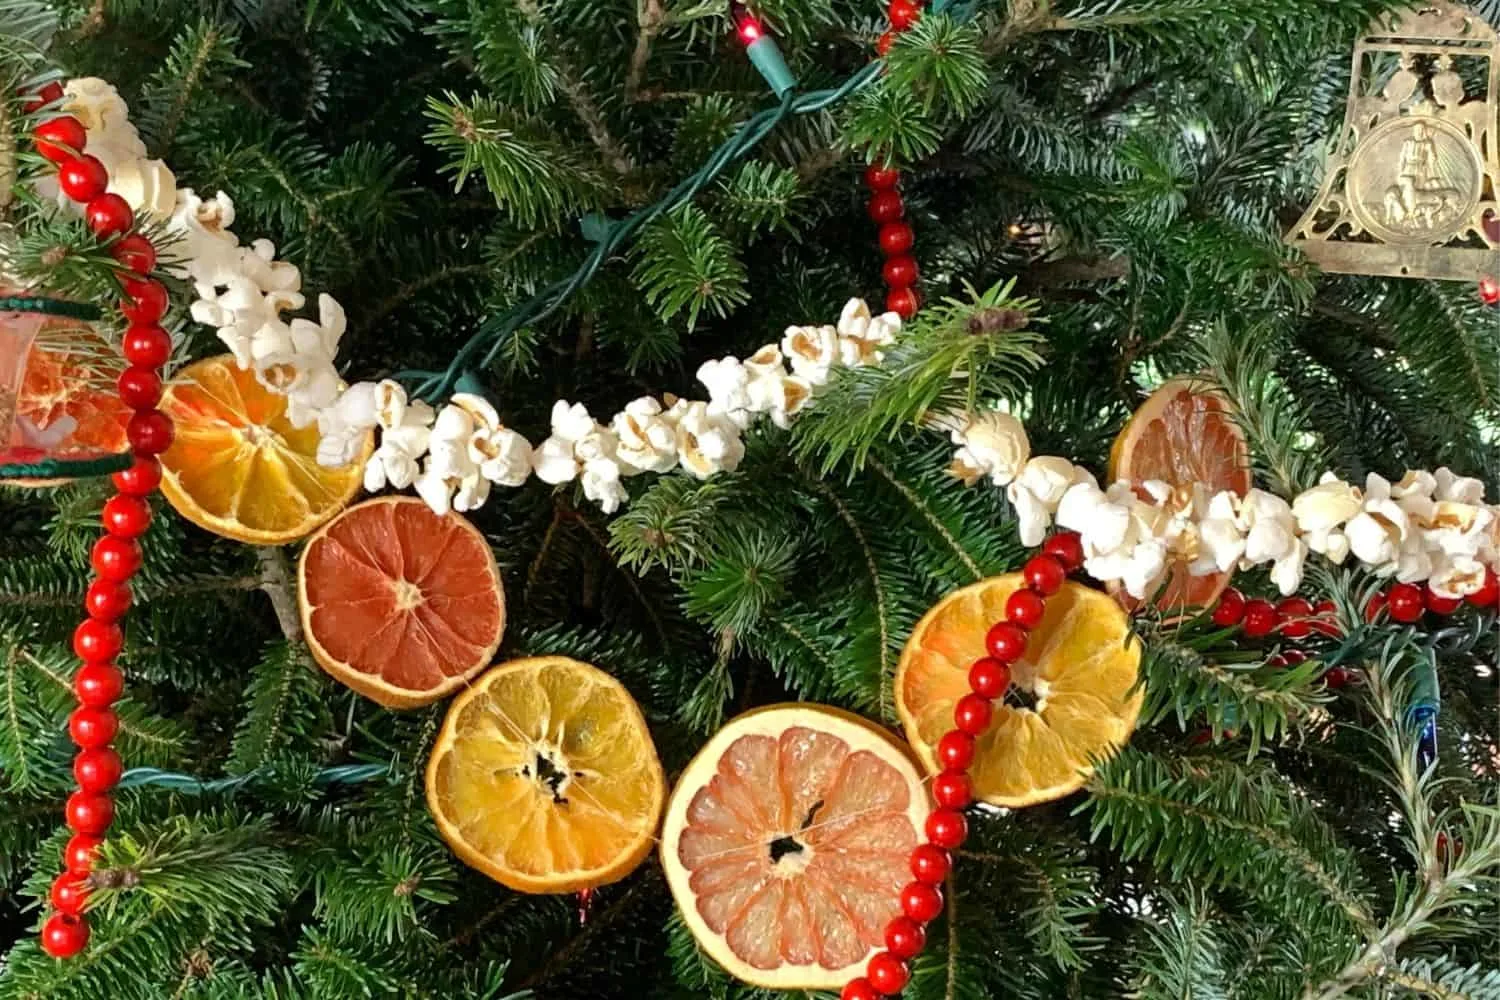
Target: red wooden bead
point(956, 750)
point(972, 714)
point(90, 814)
point(1276, 660)
point(93, 727)
point(60, 139)
point(989, 677)
point(98, 685)
point(70, 890)
point(64, 935)
point(107, 600)
point(881, 178)
point(135, 253)
point(1006, 642)
point(126, 516)
point(1438, 604)
point(78, 855)
point(1296, 615)
point(115, 558)
point(1326, 619)
point(903, 14)
point(1230, 610)
point(1489, 593)
point(97, 642)
point(886, 206)
point(145, 300)
point(1404, 602)
point(930, 863)
point(82, 178)
point(150, 432)
point(884, 42)
point(147, 345)
point(904, 937)
point(859, 989)
point(887, 973)
point(1293, 657)
point(900, 272)
point(1489, 291)
point(1261, 618)
point(1336, 677)
point(109, 215)
point(141, 479)
point(97, 769)
point(1025, 608)
point(48, 94)
point(896, 238)
point(139, 388)
point(921, 901)
point(1044, 574)
point(1067, 548)
point(952, 789)
point(1374, 609)
point(947, 828)
point(904, 302)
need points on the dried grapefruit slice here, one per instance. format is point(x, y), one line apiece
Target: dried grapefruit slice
point(238, 467)
point(398, 603)
point(1184, 433)
point(544, 777)
point(786, 844)
point(1073, 695)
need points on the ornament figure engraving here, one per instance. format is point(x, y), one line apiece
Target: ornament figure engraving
point(1414, 180)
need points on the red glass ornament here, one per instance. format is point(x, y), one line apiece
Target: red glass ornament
point(1230, 610)
point(956, 750)
point(147, 345)
point(126, 516)
point(1025, 608)
point(947, 828)
point(1296, 614)
point(78, 855)
point(921, 901)
point(1438, 604)
point(904, 14)
point(82, 178)
point(881, 178)
point(107, 600)
point(887, 973)
point(896, 238)
point(70, 890)
point(64, 935)
point(139, 388)
point(884, 42)
point(60, 139)
point(1067, 548)
point(115, 558)
point(900, 272)
point(150, 432)
point(1374, 609)
point(1261, 618)
point(952, 789)
point(1335, 677)
point(1006, 642)
point(97, 769)
point(1404, 602)
point(930, 863)
point(989, 677)
point(98, 685)
point(109, 215)
point(972, 714)
point(1045, 575)
point(145, 301)
point(1488, 595)
point(886, 206)
point(859, 989)
point(904, 937)
point(90, 814)
point(904, 302)
point(141, 479)
point(95, 641)
point(135, 253)
point(93, 727)
point(1489, 291)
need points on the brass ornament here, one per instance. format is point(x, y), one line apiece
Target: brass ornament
point(1410, 184)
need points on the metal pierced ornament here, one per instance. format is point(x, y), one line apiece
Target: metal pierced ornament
point(1410, 187)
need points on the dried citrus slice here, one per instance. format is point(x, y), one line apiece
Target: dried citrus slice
point(1073, 696)
point(67, 399)
point(238, 467)
point(400, 604)
point(786, 844)
point(1184, 433)
point(544, 777)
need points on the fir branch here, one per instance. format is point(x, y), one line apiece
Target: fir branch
point(683, 262)
point(929, 516)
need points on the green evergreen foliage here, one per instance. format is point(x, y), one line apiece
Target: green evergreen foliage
point(1098, 190)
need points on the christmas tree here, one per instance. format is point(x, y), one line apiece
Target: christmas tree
point(585, 201)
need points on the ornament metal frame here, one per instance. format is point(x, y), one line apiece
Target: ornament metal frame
point(1410, 187)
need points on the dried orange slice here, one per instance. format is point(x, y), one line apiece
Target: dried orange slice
point(68, 396)
point(1184, 433)
point(398, 603)
point(786, 844)
point(238, 467)
point(544, 777)
point(1073, 696)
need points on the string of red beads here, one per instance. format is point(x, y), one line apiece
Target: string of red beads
point(886, 208)
point(116, 556)
point(887, 972)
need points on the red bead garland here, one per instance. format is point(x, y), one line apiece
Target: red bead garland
point(116, 556)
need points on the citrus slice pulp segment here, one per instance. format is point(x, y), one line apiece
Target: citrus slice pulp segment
point(545, 778)
point(1183, 434)
point(1074, 695)
point(238, 467)
point(399, 603)
point(787, 840)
